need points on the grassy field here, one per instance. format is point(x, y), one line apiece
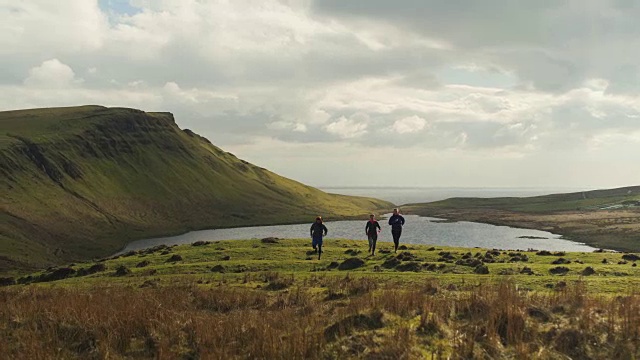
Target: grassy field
point(272, 299)
point(602, 218)
point(81, 182)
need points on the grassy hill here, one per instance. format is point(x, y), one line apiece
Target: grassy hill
point(81, 182)
point(606, 218)
point(583, 200)
point(271, 299)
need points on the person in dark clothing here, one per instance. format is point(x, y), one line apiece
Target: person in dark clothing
point(318, 230)
point(396, 221)
point(371, 229)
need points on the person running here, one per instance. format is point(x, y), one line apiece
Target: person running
point(396, 221)
point(318, 230)
point(372, 233)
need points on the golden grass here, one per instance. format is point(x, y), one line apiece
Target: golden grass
point(323, 317)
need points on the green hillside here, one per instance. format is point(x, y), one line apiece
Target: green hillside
point(584, 200)
point(81, 182)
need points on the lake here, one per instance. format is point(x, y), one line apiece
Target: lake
point(417, 230)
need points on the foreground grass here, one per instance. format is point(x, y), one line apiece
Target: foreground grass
point(271, 299)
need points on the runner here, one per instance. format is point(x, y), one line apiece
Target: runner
point(318, 230)
point(396, 221)
point(372, 233)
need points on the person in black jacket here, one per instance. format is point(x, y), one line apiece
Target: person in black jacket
point(318, 230)
point(396, 221)
point(371, 229)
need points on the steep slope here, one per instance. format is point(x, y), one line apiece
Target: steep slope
point(82, 181)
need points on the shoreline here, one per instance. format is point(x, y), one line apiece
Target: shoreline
point(599, 229)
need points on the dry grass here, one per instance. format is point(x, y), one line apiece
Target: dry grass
point(387, 321)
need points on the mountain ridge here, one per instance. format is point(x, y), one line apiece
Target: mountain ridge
point(81, 182)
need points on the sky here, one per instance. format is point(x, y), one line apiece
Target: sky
point(449, 93)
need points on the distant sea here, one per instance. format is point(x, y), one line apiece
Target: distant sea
point(408, 195)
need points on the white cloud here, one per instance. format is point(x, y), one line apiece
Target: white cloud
point(409, 124)
point(342, 76)
point(51, 73)
point(285, 125)
point(43, 26)
point(347, 128)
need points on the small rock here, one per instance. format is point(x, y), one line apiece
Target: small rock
point(269, 240)
point(391, 263)
point(226, 258)
point(481, 269)
point(174, 258)
point(526, 270)
point(409, 266)
point(143, 264)
point(57, 274)
point(218, 268)
point(96, 268)
point(122, 271)
point(630, 257)
point(560, 270)
point(588, 271)
point(561, 261)
point(351, 263)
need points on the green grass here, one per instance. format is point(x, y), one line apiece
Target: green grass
point(250, 258)
point(81, 182)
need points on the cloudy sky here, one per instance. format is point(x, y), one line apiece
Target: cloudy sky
point(496, 93)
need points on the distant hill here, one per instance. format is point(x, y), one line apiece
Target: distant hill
point(81, 182)
point(582, 200)
point(603, 218)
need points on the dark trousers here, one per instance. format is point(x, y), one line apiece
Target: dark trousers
point(396, 236)
point(373, 238)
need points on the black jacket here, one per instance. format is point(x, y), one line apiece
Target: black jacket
point(396, 222)
point(370, 228)
point(317, 229)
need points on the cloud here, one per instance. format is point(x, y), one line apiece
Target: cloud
point(347, 128)
point(533, 80)
point(51, 73)
point(409, 124)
